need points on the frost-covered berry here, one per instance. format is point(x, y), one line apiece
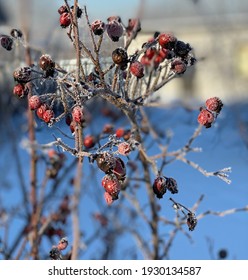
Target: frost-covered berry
point(178, 66)
point(46, 63)
point(77, 114)
point(23, 74)
point(159, 187)
point(65, 20)
point(124, 148)
point(6, 42)
point(48, 116)
point(111, 185)
point(106, 162)
point(114, 30)
point(98, 27)
point(205, 118)
point(167, 40)
point(34, 102)
point(20, 90)
point(214, 104)
point(41, 110)
point(119, 56)
point(137, 69)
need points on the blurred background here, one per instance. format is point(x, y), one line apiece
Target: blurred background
point(217, 30)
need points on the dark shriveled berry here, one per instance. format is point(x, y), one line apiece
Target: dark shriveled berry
point(98, 27)
point(159, 186)
point(55, 254)
point(16, 33)
point(106, 162)
point(222, 254)
point(6, 42)
point(119, 170)
point(171, 185)
point(191, 221)
point(182, 49)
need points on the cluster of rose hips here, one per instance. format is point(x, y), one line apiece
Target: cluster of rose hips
point(65, 16)
point(115, 28)
point(164, 46)
point(170, 48)
point(115, 171)
point(208, 114)
point(24, 75)
point(161, 184)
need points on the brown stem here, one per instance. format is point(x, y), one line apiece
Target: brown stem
point(33, 167)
